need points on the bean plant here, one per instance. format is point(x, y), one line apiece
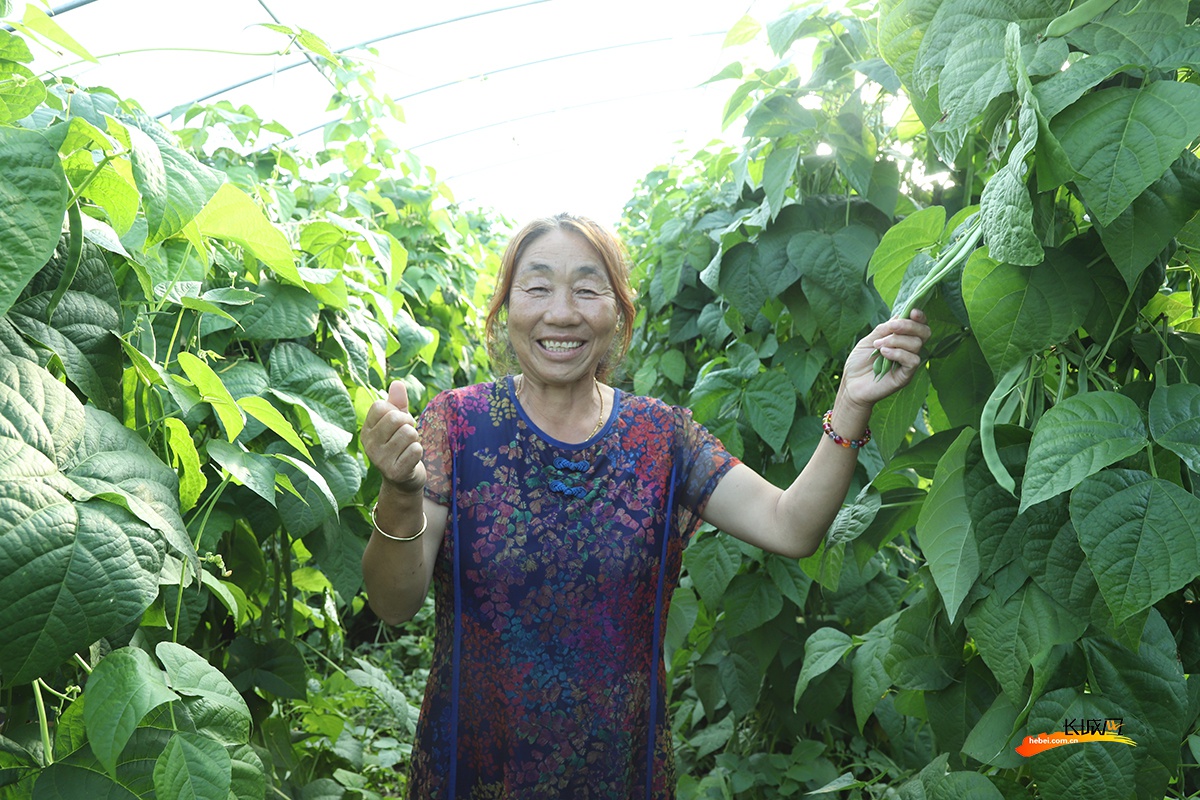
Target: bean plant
point(193, 321)
point(1019, 550)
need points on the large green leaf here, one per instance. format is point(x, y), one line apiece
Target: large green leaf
point(121, 690)
point(300, 377)
point(231, 215)
point(944, 528)
point(770, 402)
point(1140, 535)
point(778, 173)
point(338, 548)
point(1121, 140)
point(1060, 90)
point(62, 780)
point(963, 382)
point(20, 91)
point(823, 649)
point(174, 185)
point(924, 653)
point(1050, 553)
point(1175, 421)
point(956, 710)
point(81, 775)
point(976, 74)
point(38, 21)
point(1011, 632)
point(902, 26)
point(33, 199)
point(254, 471)
point(73, 572)
point(1077, 438)
point(282, 312)
point(1063, 773)
point(193, 767)
point(1150, 686)
point(249, 780)
point(745, 279)
point(1005, 205)
point(112, 462)
point(871, 679)
point(992, 740)
point(260, 408)
point(213, 391)
point(962, 25)
point(751, 600)
point(316, 502)
point(82, 331)
point(778, 115)
point(854, 518)
point(214, 705)
point(993, 509)
point(834, 270)
point(916, 233)
point(1017, 311)
point(741, 681)
point(1137, 236)
point(894, 416)
point(712, 563)
point(276, 667)
point(1145, 37)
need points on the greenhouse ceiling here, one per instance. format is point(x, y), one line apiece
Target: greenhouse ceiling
point(527, 108)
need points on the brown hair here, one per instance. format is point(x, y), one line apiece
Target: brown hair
point(616, 265)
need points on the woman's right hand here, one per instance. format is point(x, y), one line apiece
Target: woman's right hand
point(390, 440)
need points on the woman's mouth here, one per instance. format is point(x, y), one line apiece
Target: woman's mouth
point(557, 346)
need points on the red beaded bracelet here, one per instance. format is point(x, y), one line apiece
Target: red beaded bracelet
point(854, 444)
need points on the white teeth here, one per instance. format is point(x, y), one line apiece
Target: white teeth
point(561, 347)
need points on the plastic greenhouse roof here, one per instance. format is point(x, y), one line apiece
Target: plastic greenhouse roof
point(527, 107)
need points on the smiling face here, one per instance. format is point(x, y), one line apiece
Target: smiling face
point(562, 311)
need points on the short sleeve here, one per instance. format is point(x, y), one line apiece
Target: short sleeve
point(434, 428)
point(701, 462)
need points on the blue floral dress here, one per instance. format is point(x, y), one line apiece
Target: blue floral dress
point(552, 587)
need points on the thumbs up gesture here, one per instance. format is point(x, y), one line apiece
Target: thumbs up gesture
point(390, 440)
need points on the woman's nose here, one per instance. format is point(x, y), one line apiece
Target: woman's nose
point(562, 308)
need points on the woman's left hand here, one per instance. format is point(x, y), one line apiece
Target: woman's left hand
point(899, 340)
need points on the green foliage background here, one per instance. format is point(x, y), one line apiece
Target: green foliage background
point(184, 364)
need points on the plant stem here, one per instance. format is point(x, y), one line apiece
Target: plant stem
point(1113, 333)
point(91, 176)
point(209, 504)
point(64, 697)
point(43, 723)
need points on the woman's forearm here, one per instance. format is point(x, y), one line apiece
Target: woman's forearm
point(397, 573)
point(808, 507)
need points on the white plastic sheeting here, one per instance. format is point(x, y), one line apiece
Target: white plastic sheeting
point(525, 107)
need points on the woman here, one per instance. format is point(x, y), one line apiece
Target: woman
point(551, 511)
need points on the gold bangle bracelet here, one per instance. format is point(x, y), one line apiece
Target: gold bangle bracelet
point(386, 535)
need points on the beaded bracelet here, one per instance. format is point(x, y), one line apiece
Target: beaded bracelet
point(853, 444)
point(386, 535)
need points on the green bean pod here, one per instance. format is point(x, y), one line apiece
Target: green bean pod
point(1077, 17)
point(987, 427)
point(951, 257)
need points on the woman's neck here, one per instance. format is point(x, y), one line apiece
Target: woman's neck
point(572, 413)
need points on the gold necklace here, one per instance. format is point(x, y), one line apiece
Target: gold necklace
point(520, 381)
